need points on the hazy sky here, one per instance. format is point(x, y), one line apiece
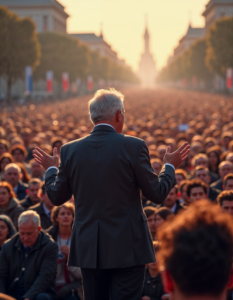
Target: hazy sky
point(124, 23)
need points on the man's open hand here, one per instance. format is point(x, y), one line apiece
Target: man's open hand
point(177, 157)
point(46, 160)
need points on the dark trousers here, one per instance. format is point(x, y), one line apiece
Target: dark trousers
point(113, 284)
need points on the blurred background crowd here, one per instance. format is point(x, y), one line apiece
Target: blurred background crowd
point(33, 262)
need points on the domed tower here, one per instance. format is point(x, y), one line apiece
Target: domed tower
point(147, 68)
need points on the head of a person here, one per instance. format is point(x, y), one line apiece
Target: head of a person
point(56, 143)
point(161, 216)
point(183, 190)
point(34, 189)
point(25, 176)
point(170, 201)
point(225, 168)
point(196, 252)
point(107, 106)
point(6, 193)
point(63, 215)
point(157, 165)
point(5, 159)
point(150, 214)
point(29, 227)
point(4, 146)
point(180, 175)
point(26, 134)
point(226, 139)
point(44, 197)
point(228, 182)
point(36, 169)
point(19, 153)
point(225, 200)
point(201, 159)
point(202, 173)
point(12, 174)
point(229, 157)
point(196, 190)
point(7, 229)
point(214, 157)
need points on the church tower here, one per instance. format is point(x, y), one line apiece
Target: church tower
point(147, 69)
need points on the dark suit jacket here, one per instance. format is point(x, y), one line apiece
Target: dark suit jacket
point(21, 190)
point(178, 207)
point(213, 194)
point(105, 171)
point(217, 185)
point(45, 221)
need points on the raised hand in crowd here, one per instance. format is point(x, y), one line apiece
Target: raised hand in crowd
point(177, 157)
point(46, 160)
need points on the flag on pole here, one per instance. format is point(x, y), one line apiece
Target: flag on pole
point(65, 81)
point(49, 81)
point(229, 78)
point(90, 83)
point(28, 79)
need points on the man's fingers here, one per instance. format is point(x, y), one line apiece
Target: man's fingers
point(55, 152)
point(168, 150)
point(37, 149)
point(183, 147)
point(185, 153)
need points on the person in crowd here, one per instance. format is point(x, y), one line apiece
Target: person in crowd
point(44, 208)
point(214, 160)
point(196, 190)
point(68, 280)
point(26, 135)
point(180, 175)
point(4, 147)
point(7, 229)
point(228, 182)
point(225, 168)
point(225, 200)
point(172, 202)
point(183, 192)
point(5, 159)
point(33, 196)
point(194, 267)
point(36, 170)
point(229, 157)
point(157, 165)
point(25, 177)
point(150, 212)
point(161, 216)
point(202, 173)
point(153, 286)
point(12, 174)
point(9, 205)
point(226, 138)
point(19, 153)
point(28, 262)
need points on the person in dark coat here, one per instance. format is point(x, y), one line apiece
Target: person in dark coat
point(12, 173)
point(225, 168)
point(171, 202)
point(7, 229)
point(153, 286)
point(105, 172)
point(9, 205)
point(33, 196)
point(68, 280)
point(28, 263)
point(44, 209)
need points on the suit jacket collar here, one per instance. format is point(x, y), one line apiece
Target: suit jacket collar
point(103, 128)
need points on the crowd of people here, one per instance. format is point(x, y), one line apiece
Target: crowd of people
point(38, 234)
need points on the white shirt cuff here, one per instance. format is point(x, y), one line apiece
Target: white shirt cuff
point(165, 165)
point(51, 168)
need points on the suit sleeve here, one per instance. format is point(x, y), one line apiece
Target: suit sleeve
point(4, 268)
point(57, 184)
point(155, 188)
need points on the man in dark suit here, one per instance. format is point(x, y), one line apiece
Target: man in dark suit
point(172, 202)
point(105, 171)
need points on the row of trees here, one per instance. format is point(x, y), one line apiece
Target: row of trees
point(205, 58)
point(21, 46)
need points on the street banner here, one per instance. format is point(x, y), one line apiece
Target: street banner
point(229, 78)
point(49, 81)
point(65, 81)
point(28, 79)
point(90, 83)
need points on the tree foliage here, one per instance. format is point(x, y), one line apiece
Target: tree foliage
point(19, 46)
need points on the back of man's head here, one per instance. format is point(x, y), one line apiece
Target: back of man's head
point(197, 251)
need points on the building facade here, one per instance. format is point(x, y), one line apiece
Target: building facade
point(48, 15)
point(217, 9)
point(147, 67)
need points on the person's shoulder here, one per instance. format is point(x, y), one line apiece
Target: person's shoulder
point(47, 240)
point(131, 139)
point(36, 207)
point(8, 244)
point(22, 185)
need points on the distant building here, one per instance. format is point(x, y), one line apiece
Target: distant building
point(187, 40)
point(97, 43)
point(48, 15)
point(216, 9)
point(147, 68)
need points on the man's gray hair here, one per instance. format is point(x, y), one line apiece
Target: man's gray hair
point(105, 105)
point(29, 215)
point(12, 165)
